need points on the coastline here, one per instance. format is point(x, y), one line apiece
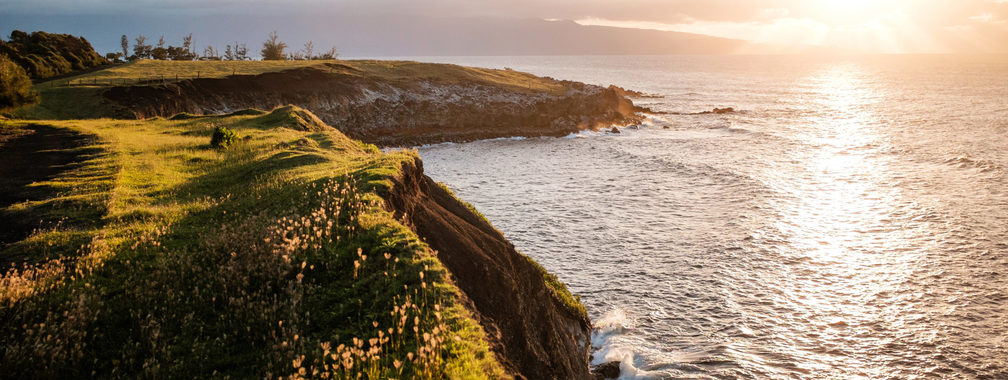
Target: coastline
point(527, 319)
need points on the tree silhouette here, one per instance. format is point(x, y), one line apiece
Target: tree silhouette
point(273, 48)
point(241, 52)
point(309, 48)
point(15, 86)
point(125, 46)
point(141, 50)
point(331, 54)
point(187, 44)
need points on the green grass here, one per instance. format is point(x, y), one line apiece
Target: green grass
point(272, 258)
point(61, 103)
point(151, 69)
point(165, 257)
point(83, 100)
point(410, 72)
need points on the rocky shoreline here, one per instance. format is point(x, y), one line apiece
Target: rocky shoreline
point(531, 331)
point(394, 112)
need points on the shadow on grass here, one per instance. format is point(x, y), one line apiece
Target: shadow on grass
point(26, 162)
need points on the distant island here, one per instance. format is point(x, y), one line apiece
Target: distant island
point(234, 218)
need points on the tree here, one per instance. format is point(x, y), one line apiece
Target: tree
point(228, 53)
point(273, 48)
point(161, 42)
point(331, 54)
point(241, 52)
point(141, 50)
point(176, 53)
point(309, 48)
point(114, 57)
point(211, 54)
point(187, 44)
point(159, 53)
point(125, 46)
point(15, 86)
point(43, 55)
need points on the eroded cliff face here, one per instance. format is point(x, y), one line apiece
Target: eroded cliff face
point(531, 331)
point(392, 112)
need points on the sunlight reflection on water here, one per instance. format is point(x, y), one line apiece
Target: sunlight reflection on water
point(848, 222)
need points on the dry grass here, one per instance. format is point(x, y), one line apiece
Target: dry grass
point(151, 69)
point(409, 71)
point(274, 258)
point(83, 100)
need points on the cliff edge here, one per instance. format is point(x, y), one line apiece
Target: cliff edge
point(394, 103)
point(535, 334)
point(294, 252)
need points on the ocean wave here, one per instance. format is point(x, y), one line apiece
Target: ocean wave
point(964, 161)
point(607, 348)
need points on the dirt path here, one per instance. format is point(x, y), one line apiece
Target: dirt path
point(27, 155)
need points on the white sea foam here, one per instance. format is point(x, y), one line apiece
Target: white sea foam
point(608, 347)
point(714, 240)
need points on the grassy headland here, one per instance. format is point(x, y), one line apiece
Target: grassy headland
point(80, 97)
point(143, 251)
point(161, 256)
point(377, 69)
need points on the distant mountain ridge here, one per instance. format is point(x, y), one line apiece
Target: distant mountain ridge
point(388, 34)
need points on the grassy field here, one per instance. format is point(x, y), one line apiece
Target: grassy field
point(146, 69)
point(164, 257)
point(390, 71)
point(157, 255)
point(82, 99)
point(410, 72)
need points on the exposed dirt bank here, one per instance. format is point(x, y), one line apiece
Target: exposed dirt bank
point(534, 335)
point(383, 111)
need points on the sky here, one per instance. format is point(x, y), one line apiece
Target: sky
point(872, 26)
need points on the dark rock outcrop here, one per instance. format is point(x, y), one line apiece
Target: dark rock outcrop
point(610, 370)
point(719, 111)
point(530, 330)
point(392, 112)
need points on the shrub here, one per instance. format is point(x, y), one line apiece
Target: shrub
point(44, 55)
point(15, 86)
point(223, 138)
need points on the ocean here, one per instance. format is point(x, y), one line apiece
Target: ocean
point(848, 220)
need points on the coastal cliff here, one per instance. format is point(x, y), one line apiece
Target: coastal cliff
point(295, 251)
point(253, 261)
point(398, 103)
point(535, 334)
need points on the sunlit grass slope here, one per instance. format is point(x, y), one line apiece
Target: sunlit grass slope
point(83, 100)
point(272, 258)
point(153, 69)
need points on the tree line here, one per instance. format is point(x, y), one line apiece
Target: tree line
point(44, 55)
point(273, 49)
point(40, 55)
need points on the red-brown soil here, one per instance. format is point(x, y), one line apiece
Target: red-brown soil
point(533, 334)
point(391, 113)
